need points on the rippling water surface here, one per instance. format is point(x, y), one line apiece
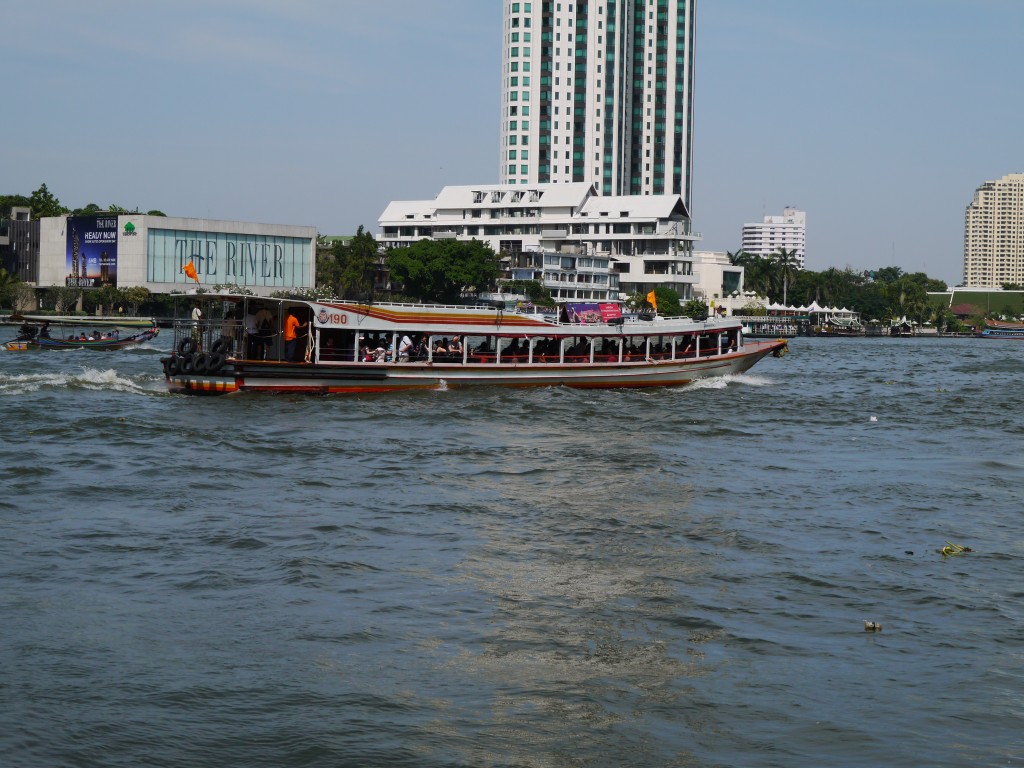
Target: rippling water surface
point(544, 577)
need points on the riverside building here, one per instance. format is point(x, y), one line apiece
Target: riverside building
point(128, 250)
point(577, 243)
point(994, 234)
point(788, 231)
point(599, 92)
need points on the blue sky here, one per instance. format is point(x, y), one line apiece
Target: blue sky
point(879, 117)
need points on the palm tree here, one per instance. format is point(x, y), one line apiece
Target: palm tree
point(786, 264)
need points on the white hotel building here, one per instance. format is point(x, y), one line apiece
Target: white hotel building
point(994, 234)
point(788, 231)
point(580, 245)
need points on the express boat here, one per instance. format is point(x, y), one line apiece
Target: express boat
point(343, 347)
point(998, 330)
point(67, 332)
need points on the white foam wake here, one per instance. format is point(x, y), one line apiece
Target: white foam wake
point(721, 382)
point(85, 378)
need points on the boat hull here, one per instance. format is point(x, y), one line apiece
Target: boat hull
point(351, 378)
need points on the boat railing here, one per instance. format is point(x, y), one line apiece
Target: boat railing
point(225, 336)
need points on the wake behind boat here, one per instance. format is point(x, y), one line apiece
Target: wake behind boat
point(283, 345)
point(68, 332)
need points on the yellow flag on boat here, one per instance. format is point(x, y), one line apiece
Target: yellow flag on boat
point(190, 271)
point(652, 300)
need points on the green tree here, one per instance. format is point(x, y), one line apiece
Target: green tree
point(757, 271)
point(101, 299)
point(442, 270)
point(134, 297)
point(90, 209)
point(45, 204)
point(10, 201)
point(358, 261)
point(695, 309)
point(533, 290)
point(8, 283)
point(887, 274)
point(63, 300)
point(668, 301)
point(328, 272)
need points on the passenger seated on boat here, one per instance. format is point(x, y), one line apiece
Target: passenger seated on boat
point(380, 355)
point(327, 350)
point(455, 347)
point(422, 350)
point(44, 332)
point(82, 336)
point(578, 352)
point(442, 347)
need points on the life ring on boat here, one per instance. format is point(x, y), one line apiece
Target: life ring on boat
point(200, 363)
point(215, 361)
point(220, 346)
point(186, 346)
point(185, 366)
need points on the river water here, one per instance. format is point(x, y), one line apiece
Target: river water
point(544, 577)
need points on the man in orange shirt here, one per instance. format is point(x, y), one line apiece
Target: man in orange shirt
point(291, 337)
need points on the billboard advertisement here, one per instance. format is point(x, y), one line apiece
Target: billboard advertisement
point(91, 251)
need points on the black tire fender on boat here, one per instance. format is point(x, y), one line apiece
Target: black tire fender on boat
point(170, 366)
point(185, 366)
point(215, 362)
point(220, 346)
point(200, 363)
point(186, 347)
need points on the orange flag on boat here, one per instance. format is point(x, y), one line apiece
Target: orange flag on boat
point(190, 271)
point(652, 300)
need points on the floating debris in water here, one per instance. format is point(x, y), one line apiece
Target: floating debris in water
point(872, 626)
point(953, 549)
point(874, 418)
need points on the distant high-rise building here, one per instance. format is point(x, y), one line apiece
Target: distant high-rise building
point(788, 231)
point(994, 234)
point(599, 91)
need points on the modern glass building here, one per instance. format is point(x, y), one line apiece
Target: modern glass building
point(599, 91)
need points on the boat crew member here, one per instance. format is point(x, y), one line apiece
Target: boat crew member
point(291, 336)
point(197, 336)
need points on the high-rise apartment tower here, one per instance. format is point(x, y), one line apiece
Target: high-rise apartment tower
point(599, 91)
point(994, 234)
